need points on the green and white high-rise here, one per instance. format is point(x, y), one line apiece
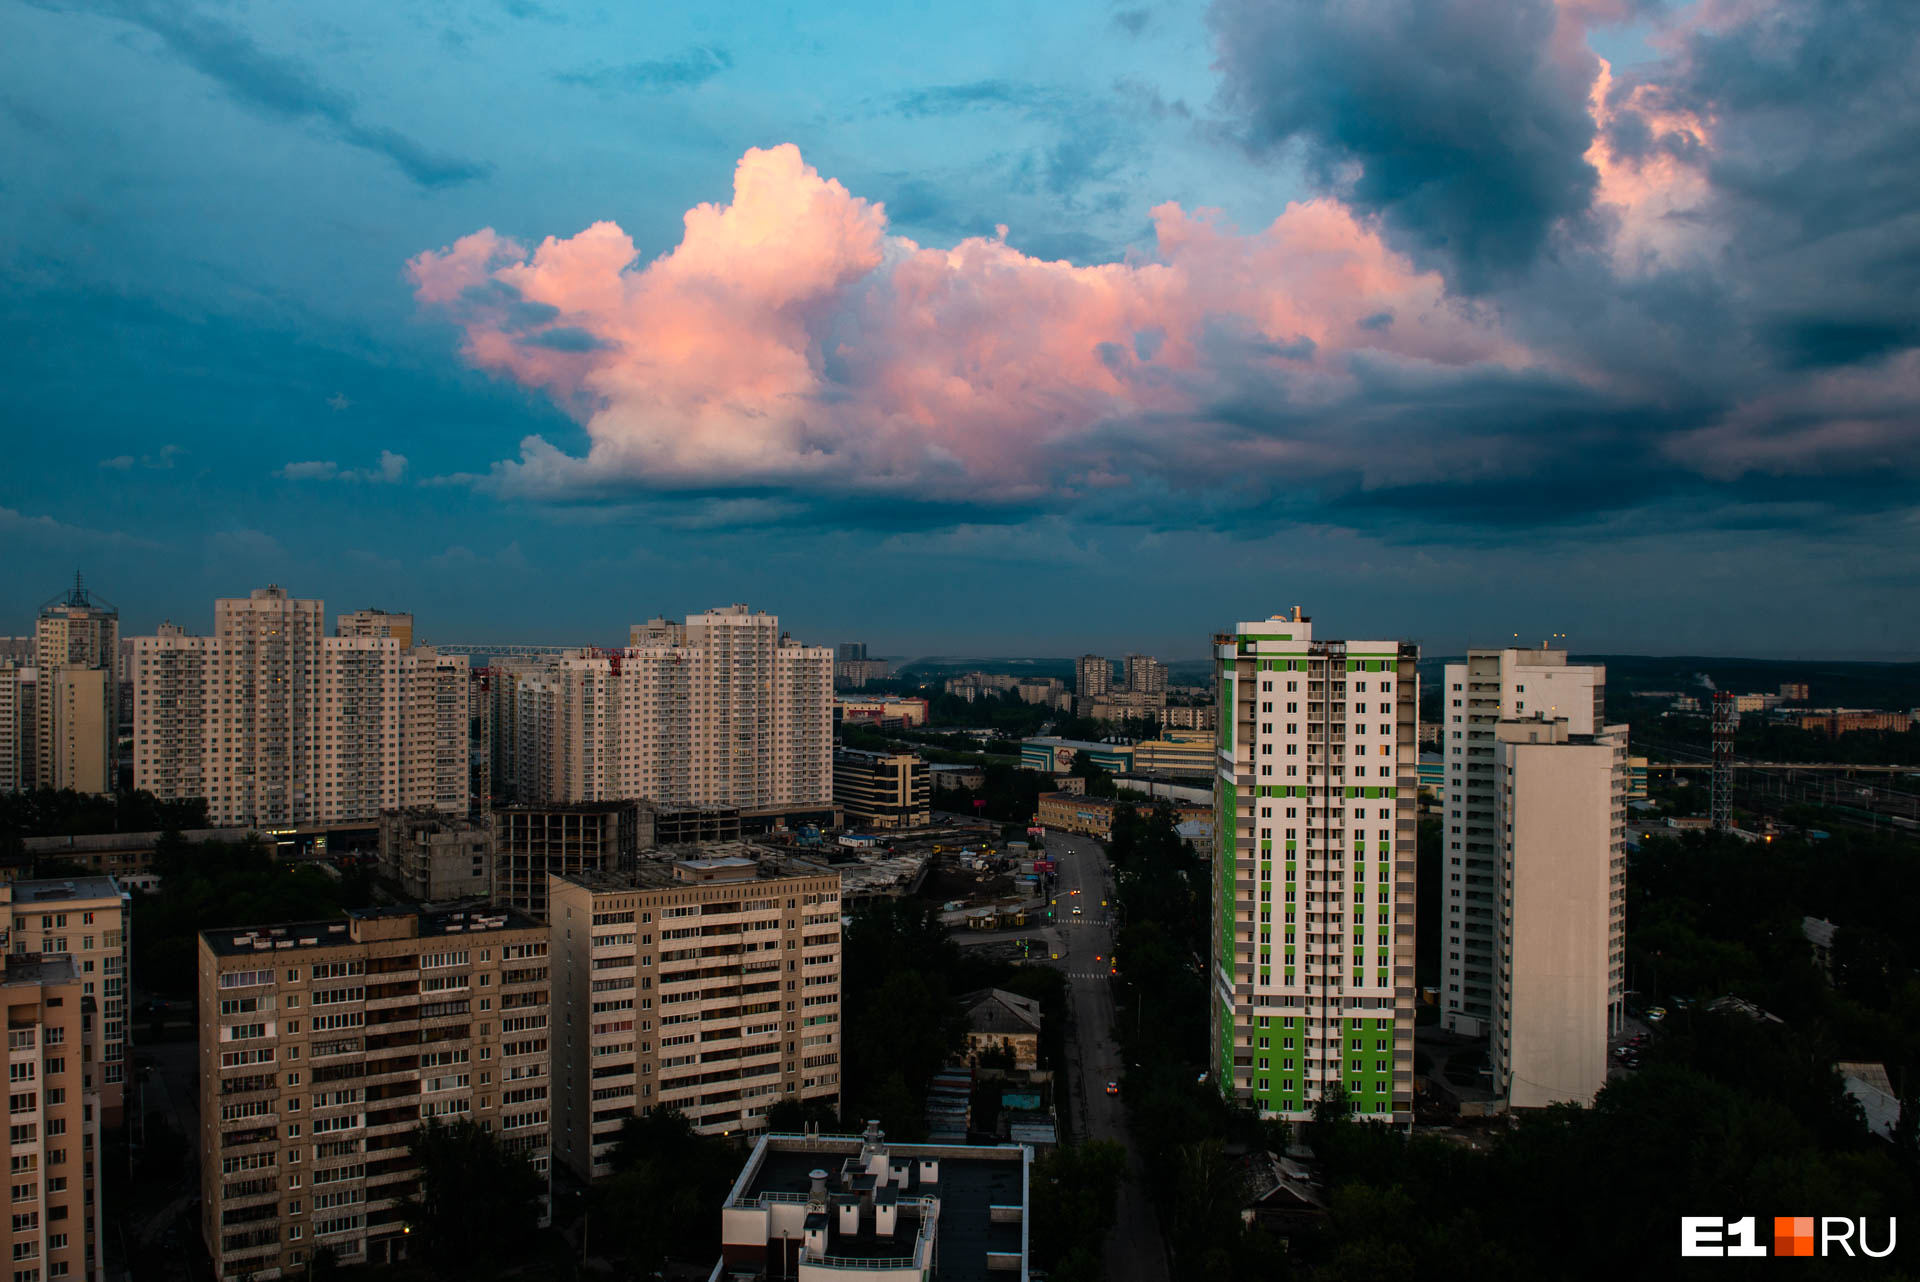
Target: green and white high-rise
point(1313, 884)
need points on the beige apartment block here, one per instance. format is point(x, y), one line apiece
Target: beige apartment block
point(1490, 686)
point(376, 623)
point(275, 723)
point(722, 710)
point(325, 1045)
point(53, 1127)
point(86, 920)
point(1561, 813)
point(708, 985)
point(76, 644)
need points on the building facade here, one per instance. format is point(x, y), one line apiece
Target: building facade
point(722, 710)
point(87, 920)
point(1313, 888)
point(432, 855)
point(882, 789)
point(1146, 674)
point(76, 643)
point(325, 1045)
point(1559, 992)
point(533, 843)
point(19, 697)
point(1176, 752)
point(53, 1135)
point(710, 985)
point(1092, 676)
point(1051, 755)
point(1492, 686)
point(276, 723)
point(376, 623)
point(1093, 816)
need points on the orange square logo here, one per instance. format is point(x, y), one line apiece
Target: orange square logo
point(1793, 1235)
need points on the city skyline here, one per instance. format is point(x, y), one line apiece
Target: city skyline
point(376, 308)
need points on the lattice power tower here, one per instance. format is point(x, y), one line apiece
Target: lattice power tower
point(1724, 720)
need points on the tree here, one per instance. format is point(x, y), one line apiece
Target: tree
point(663, 1199)
point(1073, 1195)
point(791, 1115)
point(478, 1203)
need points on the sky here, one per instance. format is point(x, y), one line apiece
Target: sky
point(972, 329)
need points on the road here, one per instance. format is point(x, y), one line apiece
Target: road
point(1135, 1252)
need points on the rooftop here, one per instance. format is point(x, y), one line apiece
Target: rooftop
point(719, 862)
point(64, 890)
point(30, 968)
point(969, 1181)
point(367, 925)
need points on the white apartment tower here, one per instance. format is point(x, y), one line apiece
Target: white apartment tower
point(1314, 884)
point(274, 722)
point(1560, 820)
point(1492, 686)
point(720, 711)
point(1092, 676)
point(1146, 674)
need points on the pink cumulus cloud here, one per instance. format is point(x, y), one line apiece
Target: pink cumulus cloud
point(789, 338)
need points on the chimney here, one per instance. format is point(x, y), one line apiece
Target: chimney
point(817, 1194)
point(1296, 614)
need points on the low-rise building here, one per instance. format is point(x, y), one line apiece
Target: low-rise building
point(1093, 816)
point(1117, 705)
point(1839, 721)
point(1052, 755)
point(710, 985)
point(325, 1045)
point(955, 778)
point(1190, 716)
point(881, 709)
point(1178, 752)
point(822, 1207)
point(53, 1143)
point(431, 855)
point(998, 1020)
point(532, 842)
point(882, 789)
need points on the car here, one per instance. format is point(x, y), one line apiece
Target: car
point(1076, 910)
point(1113, 1088)
point(1656, 1013)
point(1074, 891)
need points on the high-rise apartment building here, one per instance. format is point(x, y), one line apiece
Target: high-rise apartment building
point(1560, 841)
point(376, 623)
point(711, 986)
point(852, 652)
point(722, 710)
point(1146, 675)
point(86, 920)
point(274, 722)
point(19, 697)
point(1492, 686)
point(325, 1045)
point(77, 726)
point(53, 1132)
point(1092, 676)
point(1314, 882)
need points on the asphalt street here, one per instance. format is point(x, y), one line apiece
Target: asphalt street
point(1135, 1252)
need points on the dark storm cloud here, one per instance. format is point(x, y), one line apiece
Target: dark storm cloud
point(1452, 119)
point(281, 87)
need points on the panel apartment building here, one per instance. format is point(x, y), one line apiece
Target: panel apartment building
point(276, 723)
point(722, 710)
point(87, 921)
point(325, 1045)
point(711, 985)
point(1561, 852)
point(1314, 884)
point(54, 1119)
point(1490, 687)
